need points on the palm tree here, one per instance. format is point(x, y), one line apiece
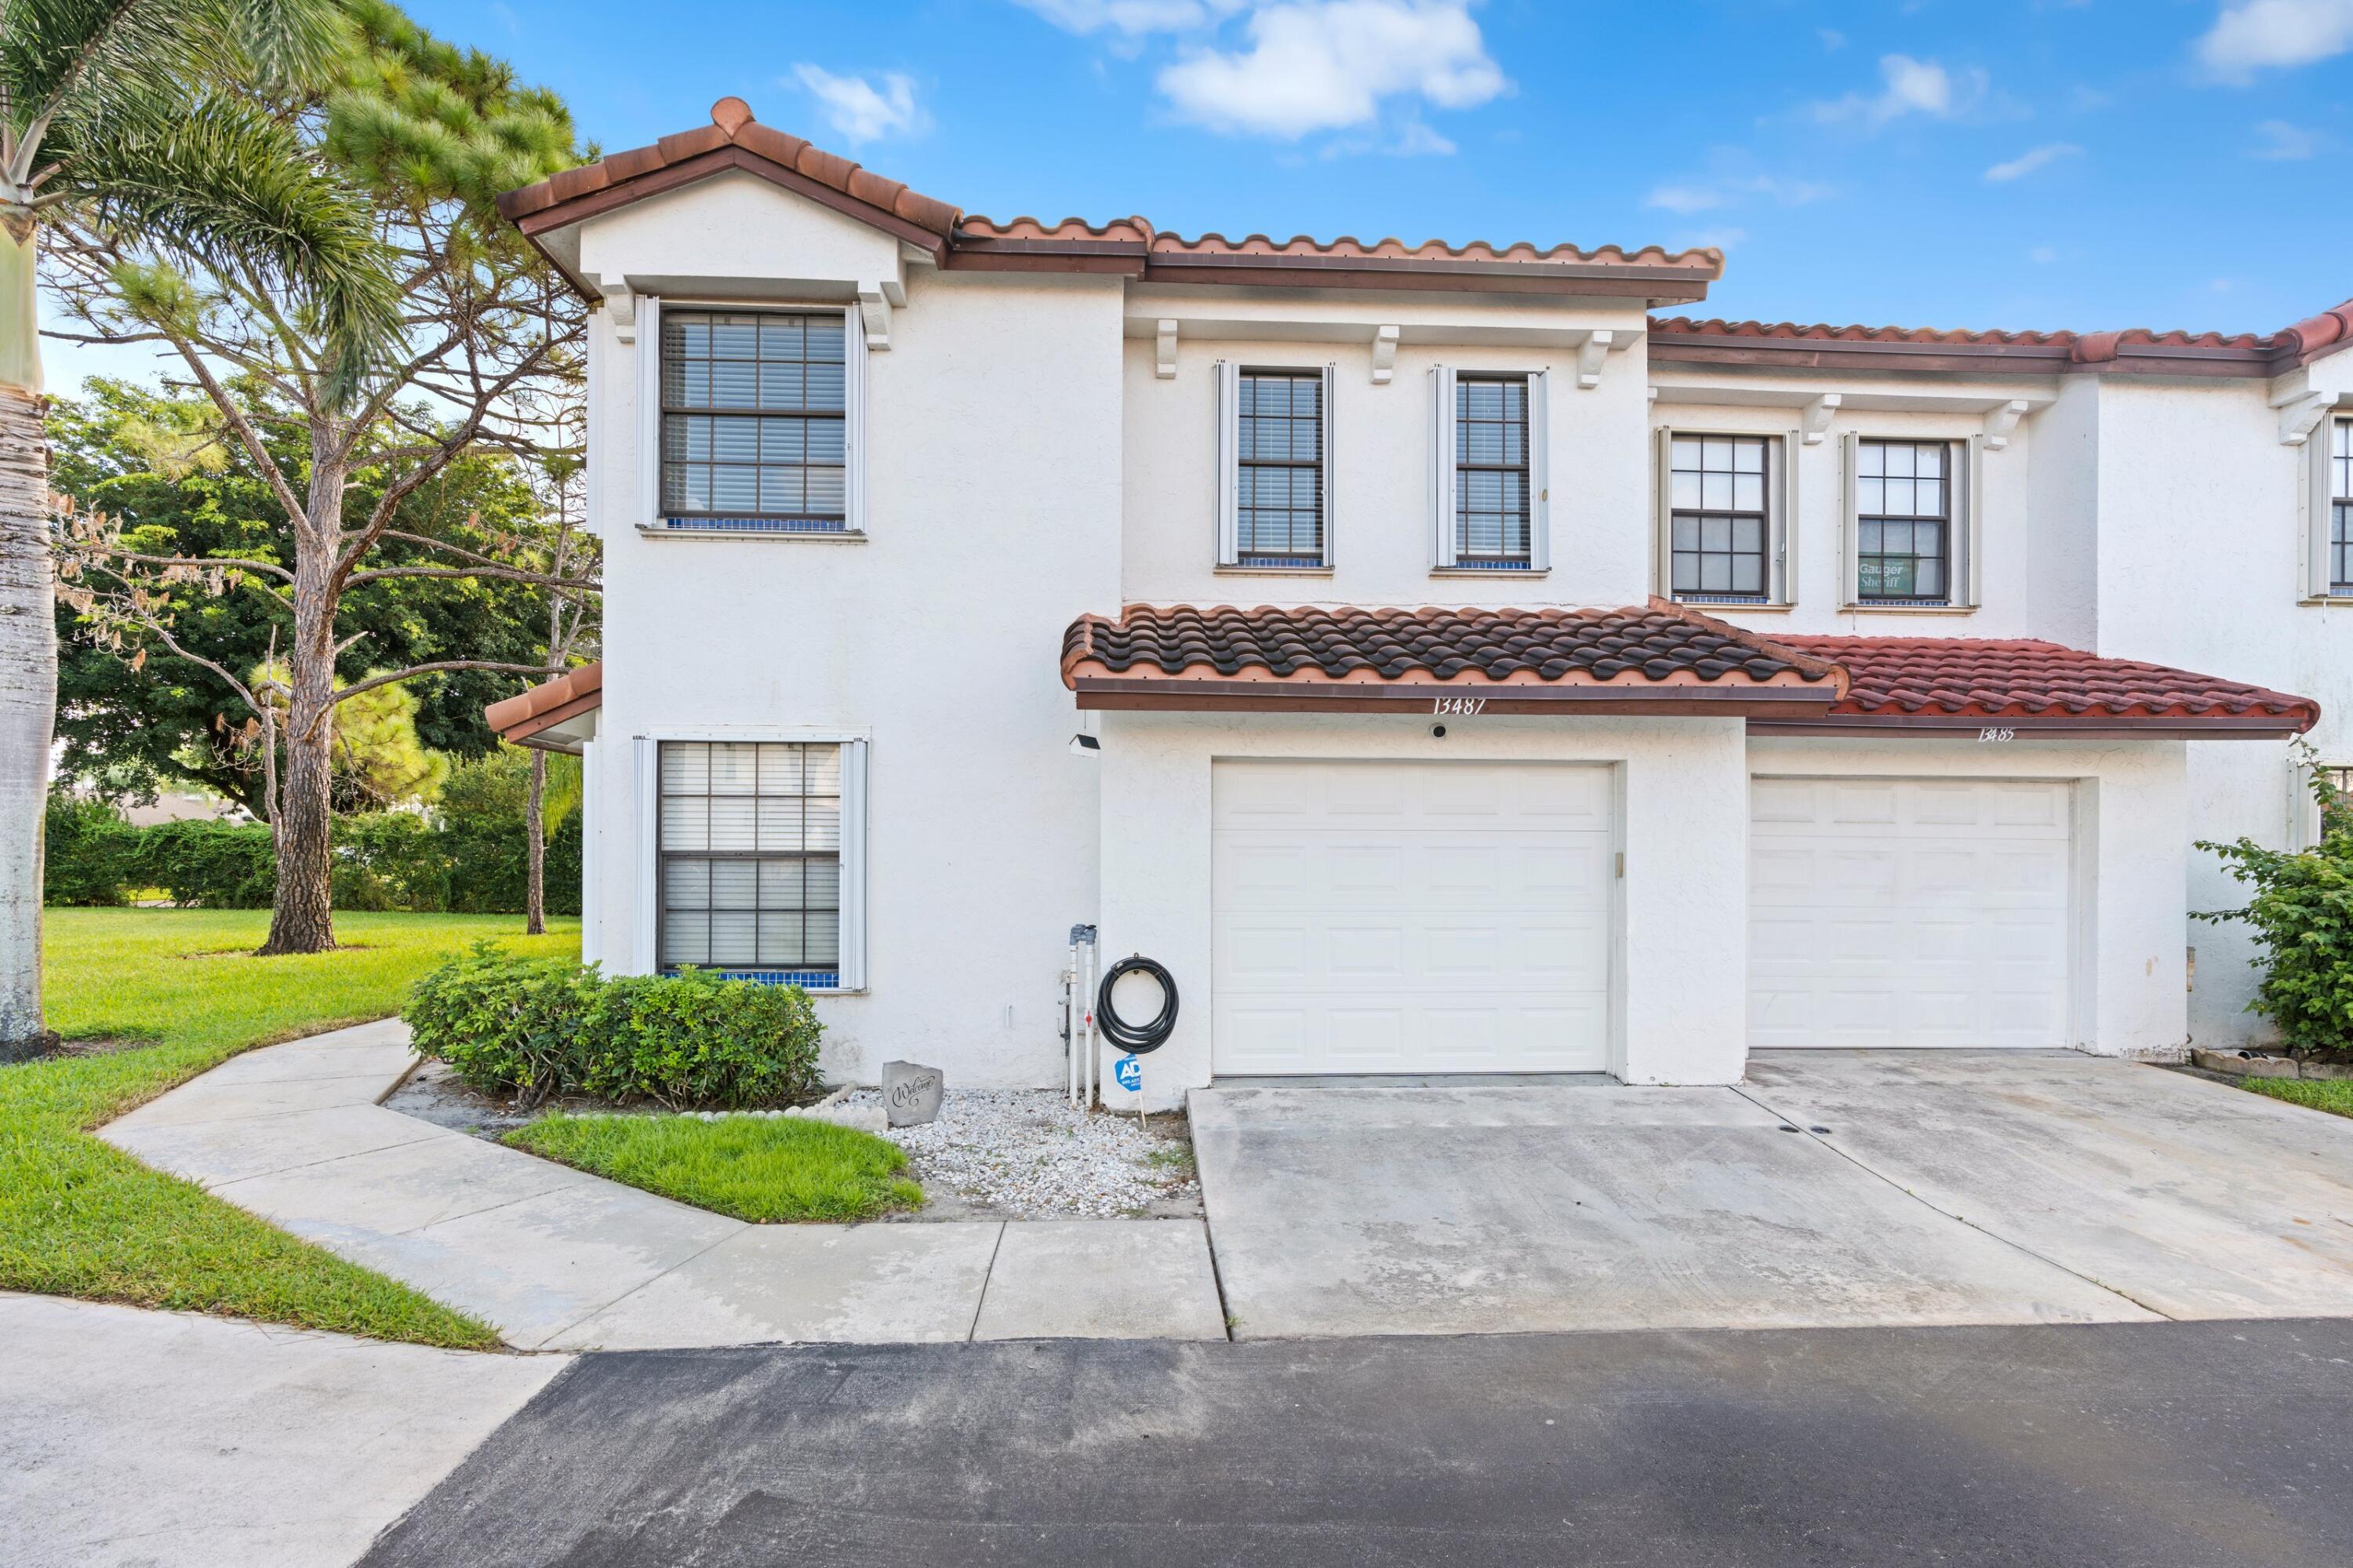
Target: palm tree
point(114, 113)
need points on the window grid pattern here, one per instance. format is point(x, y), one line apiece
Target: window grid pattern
point(1718, 518)
point(753, 421)
point(2341, 524)
point(2340, 778)
point(1491, 470)
point(750, 851)
point(1904, 495)
point(1279, 510)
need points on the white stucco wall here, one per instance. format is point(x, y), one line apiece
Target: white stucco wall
point(2202, 565)
point(2016, 566)
point(1683, 799)
point(1381, 525)
point(937, 638)
point(2130, 845)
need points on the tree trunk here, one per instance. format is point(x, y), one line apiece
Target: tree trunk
point(28, 655)
point(534, 838)
point(301, 915)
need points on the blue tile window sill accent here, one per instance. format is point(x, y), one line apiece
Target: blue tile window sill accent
point(1493, 565)
point(1283, 561)
point(808, 980)
point(1905, 603)
point(1722, 599)
point(757, 524)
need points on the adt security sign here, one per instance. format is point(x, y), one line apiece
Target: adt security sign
point(1128, 1073)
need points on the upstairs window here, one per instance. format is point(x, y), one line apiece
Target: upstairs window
point(1720, 523)
point(1904, 498)
point(2341, 507)
point(1491, 471)
point(1279, 478)
point(750, 851)
point(754, 414)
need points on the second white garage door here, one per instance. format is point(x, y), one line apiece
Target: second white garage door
point(1905, 912)
point(1410, 917)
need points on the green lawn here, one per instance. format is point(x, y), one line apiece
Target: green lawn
point(762, 1168)
point(79, 1218)
point(2321, 1094)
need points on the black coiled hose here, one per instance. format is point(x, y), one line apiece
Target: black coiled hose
point(1137, 1040)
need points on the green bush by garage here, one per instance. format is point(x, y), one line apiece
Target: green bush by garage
point(532, 1029)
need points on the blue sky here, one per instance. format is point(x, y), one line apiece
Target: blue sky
point(2079, 164)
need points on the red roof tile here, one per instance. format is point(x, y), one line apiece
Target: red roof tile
point(1677, 277)
point(540, 707)
point(1657, 644)
point(732, 126)
point(2248, 353)
point(1979, 678)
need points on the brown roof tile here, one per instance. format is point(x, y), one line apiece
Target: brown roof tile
point(1654, 644)
point(2255, 354)
point(1981, 678)
point(731, 125)
point(527, 713)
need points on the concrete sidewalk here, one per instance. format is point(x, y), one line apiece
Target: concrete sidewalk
point(156, 1439)
point(561, 1259)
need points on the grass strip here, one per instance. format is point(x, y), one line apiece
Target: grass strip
point(79, 1217)
point(766, 1169)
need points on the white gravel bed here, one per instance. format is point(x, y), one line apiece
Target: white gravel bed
point(1028, 1152)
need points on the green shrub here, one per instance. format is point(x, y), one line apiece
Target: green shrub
point(468, 855)
point(208, 864)
point(537, 1027)
point(2302, 913)
point(86, 854)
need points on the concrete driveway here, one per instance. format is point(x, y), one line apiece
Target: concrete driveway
point(1835, 1189)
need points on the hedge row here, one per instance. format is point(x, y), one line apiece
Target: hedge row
point(537, 1027)
point(464, 863)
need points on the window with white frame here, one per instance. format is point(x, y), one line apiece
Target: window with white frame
point(1720, 523)
point(755, 413)
point(2340, 507)
point(1279, 478)
point(749, 854)
point(1903, 522)
point(1493, 520)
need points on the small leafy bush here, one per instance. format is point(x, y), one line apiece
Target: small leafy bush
point(506, 1026)
point(2302, 913)
point(86, 851)
point(539, 1027)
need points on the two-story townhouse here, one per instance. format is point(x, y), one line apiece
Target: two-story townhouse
point(1436, 660)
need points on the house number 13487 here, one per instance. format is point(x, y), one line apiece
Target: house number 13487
point(1458, 705)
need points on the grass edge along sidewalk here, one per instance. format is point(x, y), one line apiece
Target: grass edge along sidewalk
point(80, 1218)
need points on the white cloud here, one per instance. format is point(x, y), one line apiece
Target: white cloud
point(1831, 37)
point(2026, 163)
point(860, 110)
point(2043, 255)
point(1703, 195)
point(1322, 64)
point(1909, 87)
point(2251, 35)
point(1132, 18)
point(2283, 143)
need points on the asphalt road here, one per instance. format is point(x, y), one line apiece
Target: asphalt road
point(2129, 1446)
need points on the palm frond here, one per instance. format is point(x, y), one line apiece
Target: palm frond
point(225, 186)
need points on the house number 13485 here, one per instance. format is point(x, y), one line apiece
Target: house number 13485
point(1996, 735)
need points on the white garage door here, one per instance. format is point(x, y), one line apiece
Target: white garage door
point(1410, 917)
point(1908, 912)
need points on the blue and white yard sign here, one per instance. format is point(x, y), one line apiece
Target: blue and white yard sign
point(1127, 1072)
